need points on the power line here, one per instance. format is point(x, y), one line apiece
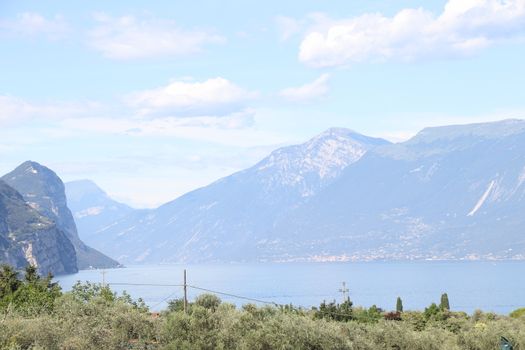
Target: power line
point(236, 296)
point(163, 300)
point(146, 284)
point(194, 287)
point(219, 293)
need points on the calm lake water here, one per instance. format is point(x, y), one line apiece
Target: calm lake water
point(490, 286)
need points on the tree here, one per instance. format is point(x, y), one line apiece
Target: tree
point(333, 311)
point(31, 274)
point(444, 305)
point(399, 305)
point(31, 295)
point(9, 282)
point(432, 311)
point(88, 291)
point(176, 305)
point(208, 301)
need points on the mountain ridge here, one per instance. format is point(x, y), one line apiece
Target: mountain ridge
point(231, 205)
point(443, 194)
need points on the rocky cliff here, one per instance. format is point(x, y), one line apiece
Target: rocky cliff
point(27, 237)
point(44, 191)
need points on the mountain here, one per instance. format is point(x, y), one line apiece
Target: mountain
point(455, 192)
point(27, 237)
point(44, 191)
point(93, 210)
point(227, 220)
point(452, 192)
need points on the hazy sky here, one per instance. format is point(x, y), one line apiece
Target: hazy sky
point(151, 99)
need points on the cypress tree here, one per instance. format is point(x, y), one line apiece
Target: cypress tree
point(399, 305)
point(444, 305)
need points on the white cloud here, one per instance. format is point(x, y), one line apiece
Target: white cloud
point(14, 110)
point(34, 24)
point(234, 130)
point(463, 28)
point(313, 90)
point(288, 27)
point(216, 96)
point(130, 38)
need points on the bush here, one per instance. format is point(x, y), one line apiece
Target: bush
point(208, 301)
point(37, 315)
point(518, 313)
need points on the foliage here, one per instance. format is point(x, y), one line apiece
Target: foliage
point(334, 311)
point(87, 291)
point(176, 305)
point(518, 313)
point(31, 295)
point(444, 304)
point(92, 316)
point(370, 315)
point(399, 305)
point(208, 301)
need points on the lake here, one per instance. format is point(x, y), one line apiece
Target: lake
point(491, 286)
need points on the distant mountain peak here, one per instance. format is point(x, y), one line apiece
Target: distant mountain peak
point(338, 132)
point(32, 166)
point(495, 129)
point(28, 168)
point(79, 188)
point(311, 165)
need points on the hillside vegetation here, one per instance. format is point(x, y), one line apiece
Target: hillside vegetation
point(35, 314)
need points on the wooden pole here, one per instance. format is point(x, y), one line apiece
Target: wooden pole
point(185, 294)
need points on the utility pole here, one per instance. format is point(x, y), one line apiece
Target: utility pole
point(103, 278)
point(345, 291)
point(185, 294)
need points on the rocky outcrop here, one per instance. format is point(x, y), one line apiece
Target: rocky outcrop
point(44, 191)
point(27, 237)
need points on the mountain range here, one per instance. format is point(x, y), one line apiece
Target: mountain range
point(453, 192)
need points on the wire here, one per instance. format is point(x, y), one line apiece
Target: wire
point(163, 300)
point(235, 296)
point(215, 292)
point(145, 284)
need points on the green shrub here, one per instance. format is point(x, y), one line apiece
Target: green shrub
point(37, 315)
point(518, 313)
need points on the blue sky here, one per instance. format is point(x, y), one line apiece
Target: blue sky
point(153, 99)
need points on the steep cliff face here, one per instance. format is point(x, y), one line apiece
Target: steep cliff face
point(27, 237)
point(44, 191)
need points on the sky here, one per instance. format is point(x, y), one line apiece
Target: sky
point(154, 99)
